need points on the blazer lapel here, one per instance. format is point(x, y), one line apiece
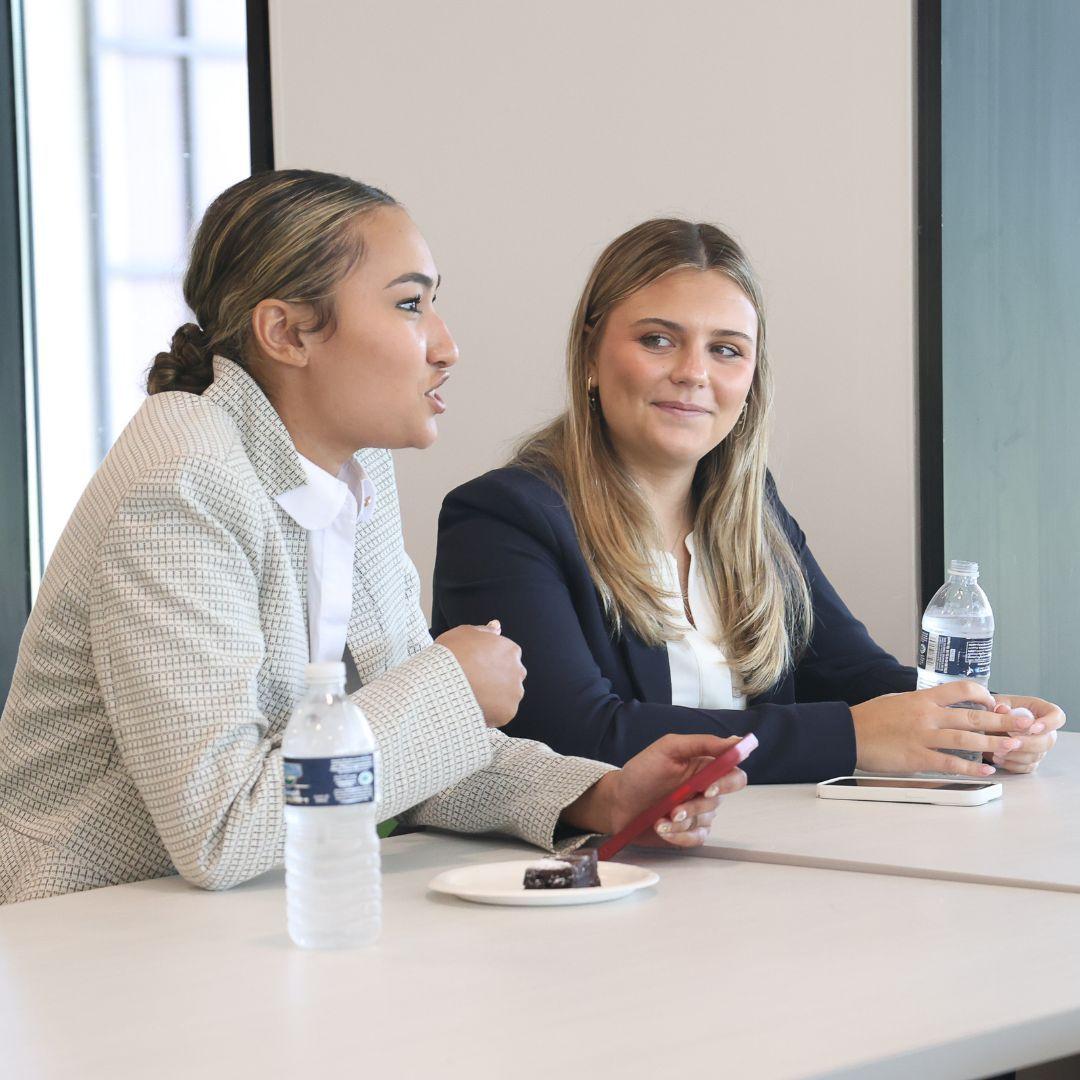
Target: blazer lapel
point(296, 539)
point(649, 669)
point(378, 585)
point(267, 442)
point(271, 451)
point(367, 637)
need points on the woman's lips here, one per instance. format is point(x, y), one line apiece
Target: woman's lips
point(432, 395)
point(683, 410)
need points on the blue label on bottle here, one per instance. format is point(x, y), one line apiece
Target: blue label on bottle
point(966, 657)
point(335, 781)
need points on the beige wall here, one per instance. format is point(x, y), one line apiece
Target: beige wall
point(524, 137)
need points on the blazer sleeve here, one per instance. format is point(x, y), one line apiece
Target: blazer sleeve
point(523, 792)
point(498, 557)
point(842, 661)
point(524, 787)
point(178, 644)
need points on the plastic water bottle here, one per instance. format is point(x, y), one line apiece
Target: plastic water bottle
point(332, 875)
point(957, 636)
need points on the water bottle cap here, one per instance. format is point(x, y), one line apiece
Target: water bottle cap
point(332, 671)
point(968, 569)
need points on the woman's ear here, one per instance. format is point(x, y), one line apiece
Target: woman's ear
point(276, 332)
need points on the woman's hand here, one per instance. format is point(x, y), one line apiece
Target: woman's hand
point(617, 798)
point(1039, 737)
point(492, 664)
point(904, 733)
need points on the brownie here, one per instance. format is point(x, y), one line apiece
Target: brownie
point(575, 870)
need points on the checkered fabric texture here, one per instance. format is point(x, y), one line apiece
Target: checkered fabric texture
point(142, 734)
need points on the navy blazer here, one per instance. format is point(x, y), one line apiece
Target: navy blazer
point(507, 550)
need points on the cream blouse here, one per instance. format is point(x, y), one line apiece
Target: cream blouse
point(700, 674)
point(330, 509)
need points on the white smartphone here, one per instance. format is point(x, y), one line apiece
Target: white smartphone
point(910, 789)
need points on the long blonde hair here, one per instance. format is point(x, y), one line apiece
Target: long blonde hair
point(290, 234)
point(753, 574)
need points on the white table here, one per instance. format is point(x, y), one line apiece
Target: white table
point(1029, 838)
point(729, 969)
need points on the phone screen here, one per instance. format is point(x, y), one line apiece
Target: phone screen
point(933, 785)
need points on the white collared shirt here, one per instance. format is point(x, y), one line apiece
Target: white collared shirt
point(700, 674)
point(330, 508)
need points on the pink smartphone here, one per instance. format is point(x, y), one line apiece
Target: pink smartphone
point(698, 783)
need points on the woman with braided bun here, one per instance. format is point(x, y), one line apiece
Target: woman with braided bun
point(246, 522)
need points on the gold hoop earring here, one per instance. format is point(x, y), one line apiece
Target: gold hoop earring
point(592, 395)
point(740, 424)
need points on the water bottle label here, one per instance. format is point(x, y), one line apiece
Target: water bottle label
point(966, 657)
point(335, 781)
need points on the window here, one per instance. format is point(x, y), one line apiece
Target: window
point(136, 117)
point(1010, 272)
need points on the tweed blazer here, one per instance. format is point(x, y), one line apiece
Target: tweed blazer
point(142, 733)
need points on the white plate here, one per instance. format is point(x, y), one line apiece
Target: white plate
point(501, 883)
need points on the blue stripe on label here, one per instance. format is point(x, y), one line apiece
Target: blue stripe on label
point(335, 781)
point(967, 657)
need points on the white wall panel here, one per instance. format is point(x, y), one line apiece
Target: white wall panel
point(524, 137)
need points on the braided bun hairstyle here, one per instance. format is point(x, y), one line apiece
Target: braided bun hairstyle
point(287, 234)
point(188, 365)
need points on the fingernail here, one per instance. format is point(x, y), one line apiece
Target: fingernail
point(713, 792)
point(663, 828)
point(1037, 729)
point(680, 816)
point(1012, 744)
point(987, 770)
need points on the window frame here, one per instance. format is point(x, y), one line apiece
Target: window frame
point(260, 109)
point(930, 439)
point(17, 438)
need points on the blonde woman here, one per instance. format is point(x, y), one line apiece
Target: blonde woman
point(245, 522)
point(637, 550)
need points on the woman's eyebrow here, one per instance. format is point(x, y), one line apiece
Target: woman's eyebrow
point(679, 329)
point(416, 278)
